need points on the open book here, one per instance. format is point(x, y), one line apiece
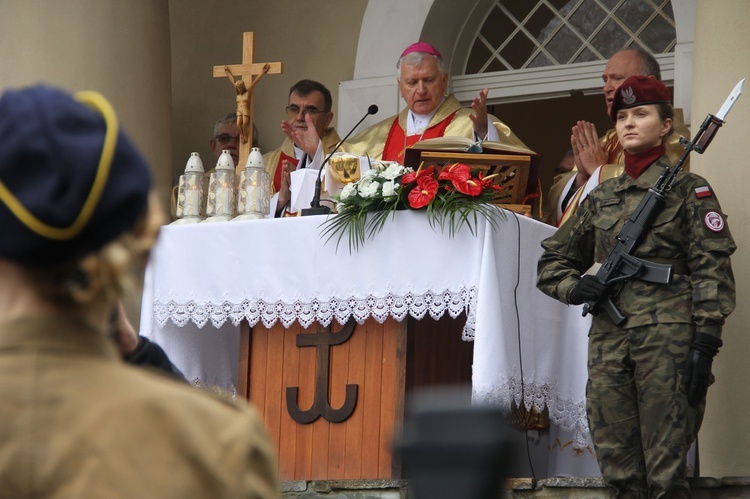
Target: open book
point(457, 143)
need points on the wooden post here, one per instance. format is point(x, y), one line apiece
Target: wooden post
point(244, 77)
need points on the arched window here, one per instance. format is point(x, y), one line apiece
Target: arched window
point(518, 35)
point(538, 49)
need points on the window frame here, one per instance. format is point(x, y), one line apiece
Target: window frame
point(544, 83)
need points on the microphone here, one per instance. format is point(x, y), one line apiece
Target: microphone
point(315, 207)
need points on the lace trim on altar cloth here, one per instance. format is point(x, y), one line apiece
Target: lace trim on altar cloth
point(321, 311)
point(566, 413)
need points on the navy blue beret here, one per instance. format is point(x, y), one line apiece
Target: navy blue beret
point(70, 180)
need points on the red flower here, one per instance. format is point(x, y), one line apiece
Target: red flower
point(410, 177)
point(456, 171)
point(469, 186)
point(459, 175)
point(424, 192)
point(488, 182)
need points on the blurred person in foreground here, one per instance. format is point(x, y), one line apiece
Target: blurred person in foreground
point(76, 421)
point(648, 377)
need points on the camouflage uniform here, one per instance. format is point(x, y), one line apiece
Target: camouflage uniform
point(640, 420)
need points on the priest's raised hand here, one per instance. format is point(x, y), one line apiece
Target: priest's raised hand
point(306, 137)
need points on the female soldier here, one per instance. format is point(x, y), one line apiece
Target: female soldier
point(76, 225)
point(648, 378)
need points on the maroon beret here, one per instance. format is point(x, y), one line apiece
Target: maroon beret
point(638, 91)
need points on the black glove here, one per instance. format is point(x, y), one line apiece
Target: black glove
point(589, 288)
point(698, 368)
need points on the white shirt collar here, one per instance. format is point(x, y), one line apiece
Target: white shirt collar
point(417, 123)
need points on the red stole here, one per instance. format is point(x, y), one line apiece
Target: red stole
point(394, 144)
point(277, 174)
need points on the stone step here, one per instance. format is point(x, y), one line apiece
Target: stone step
point(517, 488)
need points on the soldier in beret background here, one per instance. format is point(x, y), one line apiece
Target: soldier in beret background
point(648, 379)
point(77, 223)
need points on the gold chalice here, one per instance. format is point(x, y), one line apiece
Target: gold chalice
point(345, 168)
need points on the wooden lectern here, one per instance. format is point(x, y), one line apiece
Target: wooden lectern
point(292, 372)
point(517, 173)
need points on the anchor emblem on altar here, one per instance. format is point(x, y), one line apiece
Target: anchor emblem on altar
point(321, 405)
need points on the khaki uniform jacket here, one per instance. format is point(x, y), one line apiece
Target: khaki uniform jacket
point(75, 421)
point(690, 231)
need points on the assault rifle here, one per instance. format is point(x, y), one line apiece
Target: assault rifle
point(621, 265)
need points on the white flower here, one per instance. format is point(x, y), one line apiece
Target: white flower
point(348, 191)
point(393, 171)
point(390, 189)
point(371, 173)
point(368, 188)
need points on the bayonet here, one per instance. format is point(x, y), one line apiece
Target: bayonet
point(727, 106)
point(713, 121)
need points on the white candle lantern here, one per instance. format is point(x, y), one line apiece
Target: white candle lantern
point(190, 192)
point(220, 203)
point(254, 197)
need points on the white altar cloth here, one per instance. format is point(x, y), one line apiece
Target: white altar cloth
point(527, 347)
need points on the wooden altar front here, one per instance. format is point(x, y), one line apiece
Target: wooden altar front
point(278, 274)
point(384, 361)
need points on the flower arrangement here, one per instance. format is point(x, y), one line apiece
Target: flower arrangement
point(453, 195)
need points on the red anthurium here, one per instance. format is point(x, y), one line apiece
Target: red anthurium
point(459, 175)
point(424, 192)
point(470, 186)
point(488, 182)
point(457, 171)
point(408, 178)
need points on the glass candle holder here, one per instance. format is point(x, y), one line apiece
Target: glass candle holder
point(254, 193)
point(190, 189)
point(220, 202)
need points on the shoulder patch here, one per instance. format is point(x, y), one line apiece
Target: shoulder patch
point(703, 191)
point(713, 221)
point(610, 201)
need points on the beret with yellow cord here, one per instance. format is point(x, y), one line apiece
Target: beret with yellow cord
point(70, 180)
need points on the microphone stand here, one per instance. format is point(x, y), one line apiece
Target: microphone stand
point(315, 206)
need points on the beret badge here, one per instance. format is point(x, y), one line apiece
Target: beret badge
point(628, 96)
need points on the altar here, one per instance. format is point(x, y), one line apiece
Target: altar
point(205, 280)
